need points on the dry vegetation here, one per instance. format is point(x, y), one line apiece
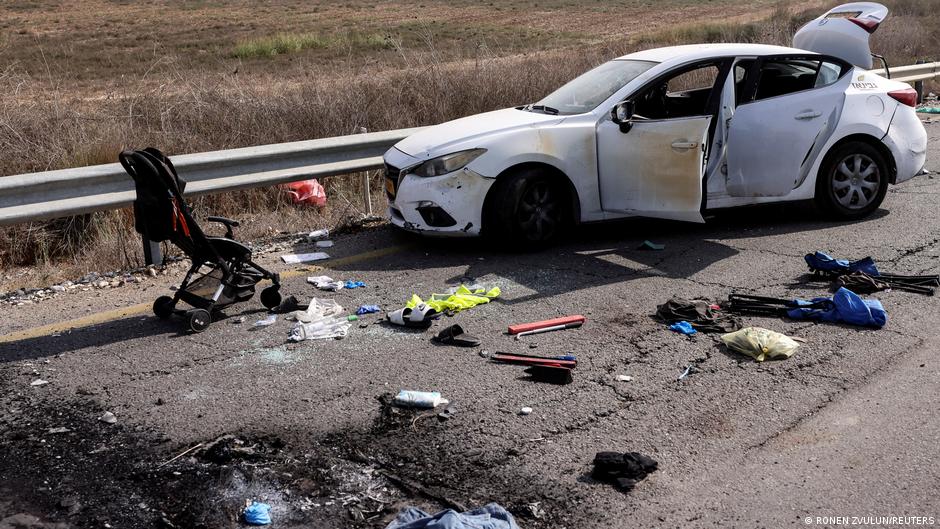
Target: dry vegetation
point(87, 78)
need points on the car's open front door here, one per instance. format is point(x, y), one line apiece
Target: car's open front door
point(654, 170)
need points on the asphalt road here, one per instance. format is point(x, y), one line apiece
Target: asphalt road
point(844, 428)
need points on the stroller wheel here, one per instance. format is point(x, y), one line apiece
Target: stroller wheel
point(271, 296)
point(163, 307)
point(199, 319)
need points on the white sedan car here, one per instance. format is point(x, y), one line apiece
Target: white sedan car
point(672, 133)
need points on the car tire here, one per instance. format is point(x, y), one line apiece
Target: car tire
point(528, 210)
point(852, 181)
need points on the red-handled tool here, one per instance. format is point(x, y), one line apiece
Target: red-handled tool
point(557, 322)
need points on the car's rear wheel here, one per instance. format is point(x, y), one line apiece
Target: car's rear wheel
point(528, 209)
point(853, 181)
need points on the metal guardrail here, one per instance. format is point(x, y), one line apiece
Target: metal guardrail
point(51, 194)
point(913, 73)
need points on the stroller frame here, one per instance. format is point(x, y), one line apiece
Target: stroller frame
point(161, 214)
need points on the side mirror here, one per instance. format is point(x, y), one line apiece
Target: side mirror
point(622, 115)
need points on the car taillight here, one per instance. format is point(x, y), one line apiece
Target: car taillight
point(906, 97)
point(868, 25)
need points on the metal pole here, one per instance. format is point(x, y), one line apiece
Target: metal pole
point(919, 86)
point(366, 194)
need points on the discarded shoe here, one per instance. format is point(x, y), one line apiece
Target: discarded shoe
point(623, 471)
point(455, 335)
point(550, 374)
point(419, 317)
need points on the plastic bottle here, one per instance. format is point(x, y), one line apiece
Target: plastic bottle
point(419, 399)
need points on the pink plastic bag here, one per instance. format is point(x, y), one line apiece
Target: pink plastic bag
point(308, 192)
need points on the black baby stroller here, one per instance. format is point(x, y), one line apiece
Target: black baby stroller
point(161, 214)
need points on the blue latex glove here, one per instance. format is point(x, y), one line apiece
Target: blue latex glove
point(684, 327)
point(354, 284)
point(367, 309)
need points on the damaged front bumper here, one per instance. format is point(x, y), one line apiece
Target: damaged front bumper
point(446, 205)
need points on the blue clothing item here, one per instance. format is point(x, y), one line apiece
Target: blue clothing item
point(490, 516)
point(684, 327)
point(845, 306)
point(258, 514)
point(823, 262)
point(354, 284)
point(367, 309)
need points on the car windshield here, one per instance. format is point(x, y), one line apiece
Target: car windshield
point(592, 88)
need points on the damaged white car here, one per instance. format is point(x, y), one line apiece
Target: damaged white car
point(672, 133)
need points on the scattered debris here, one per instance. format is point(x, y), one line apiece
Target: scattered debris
point(367, 309)
point(418, 317)
point(38, 382)
point(650, 245)
point(461, 298)
point(308, 192)
point(683, 327)
point(419, 399)
point(325, 283)
point(547, 325)
point(297, 258)
point(484, 353)
point(354, 284)
point(525, 411)
point(455, 335)
point(238, 320)
point(550, 374)
point(689, 370)
point(844, 306)
point(256, 513)
point(324, 244)
point(108, 417)
point(270, 320)
point(703, 315)
point(622, 470)
point(181, 454)
point(318, 234)
point(568, 361)
point(760, 343)
point(491, 516)
point(448, 412)
point(61, 429)
point(323, 319)
point(624, 378)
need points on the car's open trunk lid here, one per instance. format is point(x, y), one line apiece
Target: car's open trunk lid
point(843, 32)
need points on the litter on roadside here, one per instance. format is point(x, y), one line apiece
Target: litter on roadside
point(844, 306)
point(461, 298)
point(289, 304)
point(309, 192)
point(547, 325)
point(107, 418)
point(418, 317)
point(325, 283)
point(297, 258)
point(624, 378)
point(701, 314)
point(324, 244)
point(525, 411)
point(419, 399)
point(270, 320)
point(622, 470)
point(455, 335)
point(683, 327)
point(367, 309)
point(689, 370)
point(318, 234)
point(568, 361)
point(354, 284)
point(863, 276)
point(448, 413)
point(650, 245)
point(760, 343)
point(323, 319)
point(38, 382)
point(550, 374)
point(257, 514)
point(491, 516)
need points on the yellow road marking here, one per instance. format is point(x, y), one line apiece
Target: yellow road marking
point(143, 308)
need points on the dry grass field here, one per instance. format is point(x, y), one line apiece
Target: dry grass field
point(82, 79)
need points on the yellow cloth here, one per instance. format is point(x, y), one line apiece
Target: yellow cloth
point(760, 343)
point(462, 298)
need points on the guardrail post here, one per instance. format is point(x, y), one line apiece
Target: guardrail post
point(153, 254)
point(366, 194)
point(919, 86)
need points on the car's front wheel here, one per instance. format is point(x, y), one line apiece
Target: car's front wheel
point(853, 181)
point(528, 209)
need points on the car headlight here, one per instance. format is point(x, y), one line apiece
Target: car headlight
point(447, 163)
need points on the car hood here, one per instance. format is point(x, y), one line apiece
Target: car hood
point(468, 132)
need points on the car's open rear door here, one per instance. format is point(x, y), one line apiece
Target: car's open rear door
point(843, 32)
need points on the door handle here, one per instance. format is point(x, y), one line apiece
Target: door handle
point(684, 145)
point(808, 114)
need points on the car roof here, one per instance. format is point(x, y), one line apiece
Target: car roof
point(693, 52)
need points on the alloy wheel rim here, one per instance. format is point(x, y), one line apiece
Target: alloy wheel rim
point(538, 212)
point(856, 181)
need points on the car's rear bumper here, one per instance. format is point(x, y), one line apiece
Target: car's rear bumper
point(907, 140)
